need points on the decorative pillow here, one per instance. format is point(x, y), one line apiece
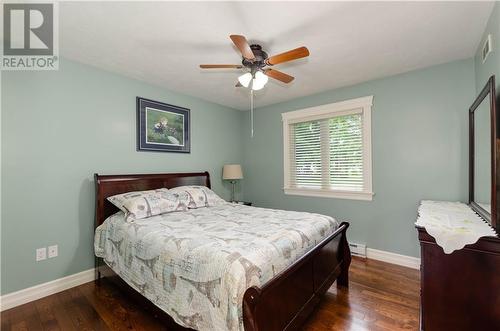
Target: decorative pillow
point(142, 204)
point(119, 200)
point(197, 196)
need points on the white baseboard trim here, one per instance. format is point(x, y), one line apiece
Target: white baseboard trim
point(36, 292)
point(402, 260)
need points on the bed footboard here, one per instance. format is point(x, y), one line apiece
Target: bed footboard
point(285, 302)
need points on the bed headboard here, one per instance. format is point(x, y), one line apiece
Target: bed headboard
point(108, 185)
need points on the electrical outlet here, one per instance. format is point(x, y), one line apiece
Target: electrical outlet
point(53, 251)
point(41, 254)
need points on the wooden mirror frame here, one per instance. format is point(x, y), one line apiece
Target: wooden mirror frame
point(493, 217)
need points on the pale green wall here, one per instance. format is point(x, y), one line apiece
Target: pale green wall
point(60, 127)
point(1, 181)
point(483, 71)
point(419, 141)
point(492, 65)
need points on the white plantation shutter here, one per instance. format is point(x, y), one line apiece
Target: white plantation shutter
point(328, 150)
point(306, 155)
point(346, 153)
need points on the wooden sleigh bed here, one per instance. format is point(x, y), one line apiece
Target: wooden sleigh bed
point(283, 303)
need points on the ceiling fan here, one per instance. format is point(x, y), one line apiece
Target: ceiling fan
point(258, 63)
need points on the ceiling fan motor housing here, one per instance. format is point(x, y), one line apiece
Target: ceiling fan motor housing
point(260, 58)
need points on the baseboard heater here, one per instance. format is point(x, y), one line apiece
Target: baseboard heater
point(358, 249)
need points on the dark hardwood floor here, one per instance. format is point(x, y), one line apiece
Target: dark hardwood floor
point(381, 296)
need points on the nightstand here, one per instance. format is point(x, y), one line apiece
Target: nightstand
point(246, 203)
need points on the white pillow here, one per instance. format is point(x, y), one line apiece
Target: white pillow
point(197, 196)
point(142, 204)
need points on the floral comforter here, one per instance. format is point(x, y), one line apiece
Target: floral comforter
point(196, 265)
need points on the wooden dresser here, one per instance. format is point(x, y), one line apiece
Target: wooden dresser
point(461, 290)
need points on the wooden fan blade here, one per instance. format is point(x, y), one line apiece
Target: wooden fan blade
point(221, 66)
point(294, 54)
point(242, 44)
point(281, 76)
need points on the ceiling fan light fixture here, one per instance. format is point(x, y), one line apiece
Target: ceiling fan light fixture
point(259, 81)
point(245, 79)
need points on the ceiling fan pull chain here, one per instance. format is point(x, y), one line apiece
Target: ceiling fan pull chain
point(251, 113)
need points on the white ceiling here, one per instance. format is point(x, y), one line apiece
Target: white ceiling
point(163, 43)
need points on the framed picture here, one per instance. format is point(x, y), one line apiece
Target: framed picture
point(162, 127)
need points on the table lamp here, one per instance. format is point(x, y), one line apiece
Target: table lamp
point(232, 172)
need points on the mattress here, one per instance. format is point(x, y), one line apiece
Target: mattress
point(196, 265)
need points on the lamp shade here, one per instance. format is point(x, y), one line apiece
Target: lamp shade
point(232, 171)
point(259, 81)
point(245, 79)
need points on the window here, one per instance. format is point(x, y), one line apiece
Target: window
point(327, 150)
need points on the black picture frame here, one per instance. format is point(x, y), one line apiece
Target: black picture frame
point(162, 127)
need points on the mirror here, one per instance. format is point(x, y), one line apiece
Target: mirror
point(482, 154)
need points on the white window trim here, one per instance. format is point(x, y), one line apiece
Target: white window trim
point(346, 107)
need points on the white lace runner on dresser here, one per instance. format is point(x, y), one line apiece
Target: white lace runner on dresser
point(452, 224)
